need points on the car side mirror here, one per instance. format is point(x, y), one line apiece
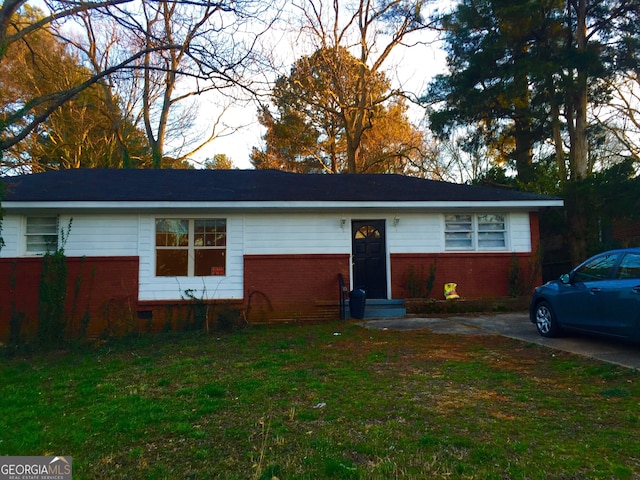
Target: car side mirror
point(565, 278)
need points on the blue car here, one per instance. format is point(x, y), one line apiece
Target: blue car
point(601, 296)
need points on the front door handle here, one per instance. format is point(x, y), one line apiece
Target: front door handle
point(636, 289)
point(595, 290)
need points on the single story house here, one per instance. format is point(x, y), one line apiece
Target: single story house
point(271, 243)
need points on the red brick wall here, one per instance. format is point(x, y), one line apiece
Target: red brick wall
point(155, 316)
point(534, 225)
point(478, 275)
point(102, 289)
point(292, 286)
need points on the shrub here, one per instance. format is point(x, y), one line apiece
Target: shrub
point(52, 296)
point(420, 285)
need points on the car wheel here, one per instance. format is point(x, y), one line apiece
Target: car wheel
point(546, 320)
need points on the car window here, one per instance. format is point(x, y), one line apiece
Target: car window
point(629, 266)
point(598, 268)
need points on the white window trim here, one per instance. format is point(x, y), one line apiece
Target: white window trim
point(475, 247)
point(191, 247)
point(26, 234)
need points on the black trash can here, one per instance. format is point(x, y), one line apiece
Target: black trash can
point(357, 299)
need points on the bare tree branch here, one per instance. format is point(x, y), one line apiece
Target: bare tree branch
point(210, 45)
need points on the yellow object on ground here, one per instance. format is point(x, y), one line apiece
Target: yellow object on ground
point(450, 291)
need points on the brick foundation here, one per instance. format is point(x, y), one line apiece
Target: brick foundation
point(293, 287)
point(184, 315)
point(99, 291)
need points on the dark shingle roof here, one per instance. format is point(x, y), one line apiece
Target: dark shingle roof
point(83, 185)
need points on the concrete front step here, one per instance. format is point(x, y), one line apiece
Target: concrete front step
point(380, 308)
point(384, 313)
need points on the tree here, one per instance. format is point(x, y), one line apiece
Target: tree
point(531, 73)
point(314, 115)
point(82, 134)
point(102, 40)
point(291, 145)
point(23, 116)
point(79, 133)
point(601, 40)
point(393, 144)
point(207, 42)
point(492, 57)
point(370, 30)
point(220, 161)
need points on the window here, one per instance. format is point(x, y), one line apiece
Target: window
point(597, 269)
point(491, 232)
point(475, 232)
point(458, 232)
point(630, 266)
point(42, 235)
point(190, 247)
point(368, 231)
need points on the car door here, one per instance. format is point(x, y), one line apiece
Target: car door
point(620, 299)
point(581, 301)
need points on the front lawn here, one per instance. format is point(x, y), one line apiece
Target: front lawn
point(332, 400)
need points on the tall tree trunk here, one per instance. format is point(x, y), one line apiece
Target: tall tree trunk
point(577, 203)
point(352, 157)
point(522, 154)
point(353, 134)
point(351, 154)
point(556, 127)
point(156, 155)
point(333, 155)
point(576, 214)
point(581, 147)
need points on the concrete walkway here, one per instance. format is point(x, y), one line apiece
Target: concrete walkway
point(517, 325)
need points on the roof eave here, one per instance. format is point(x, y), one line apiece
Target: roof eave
point(162, 206)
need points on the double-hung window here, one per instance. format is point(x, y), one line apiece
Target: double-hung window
point(458, 232)
point(190, 247)
point(475, 232)
point(41, 235)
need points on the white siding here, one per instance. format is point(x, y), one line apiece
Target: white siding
point(424, 233)
point(287, 233)
point(415, 233)
point(520, 232)
point(101, 236)
point(11, 234)
point(90, 235)
point(229, 286)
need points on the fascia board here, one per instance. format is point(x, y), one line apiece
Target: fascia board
point(131, 207)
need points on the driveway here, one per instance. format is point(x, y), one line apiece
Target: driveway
point(517, 325)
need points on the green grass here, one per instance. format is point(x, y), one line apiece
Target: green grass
point(324, 401)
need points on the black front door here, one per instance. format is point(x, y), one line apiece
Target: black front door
point(369, 257)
